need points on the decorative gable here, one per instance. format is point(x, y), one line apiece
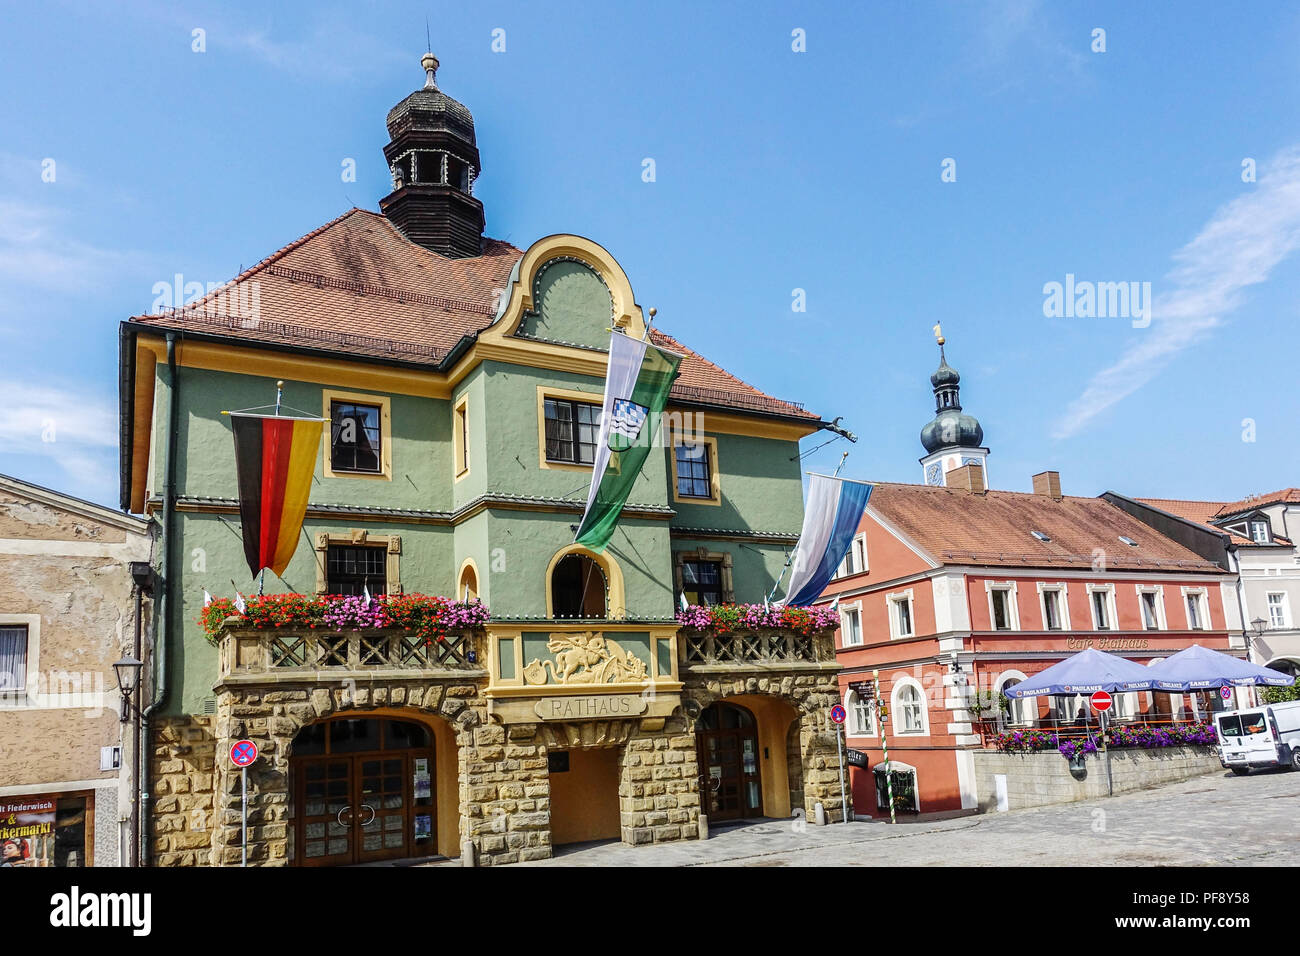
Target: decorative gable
point(572, 305)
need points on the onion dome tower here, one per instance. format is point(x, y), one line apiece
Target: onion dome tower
point(952, 438)
point(434, 161)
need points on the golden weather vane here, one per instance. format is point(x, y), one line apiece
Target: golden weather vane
point(938, 334)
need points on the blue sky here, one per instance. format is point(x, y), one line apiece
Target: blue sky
point(775, 170)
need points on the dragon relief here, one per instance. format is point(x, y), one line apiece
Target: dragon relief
point(588, 658)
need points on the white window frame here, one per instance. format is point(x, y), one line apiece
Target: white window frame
point(1202, 607)
point(1284, 605)
point(1158, 590)
point(1062, 590)
point(1255, 523)
point(897, 766)
point(1018, 710)
point(896, 708)
point(859, 547)
point(853, 706)
point(892, 602)
point(856, 609)
point(1013, 606)
point(1109, 591)
point(1124, 706)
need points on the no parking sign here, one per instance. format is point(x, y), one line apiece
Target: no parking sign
point(243, 753)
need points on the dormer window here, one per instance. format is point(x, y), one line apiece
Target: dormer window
point(1259, 531)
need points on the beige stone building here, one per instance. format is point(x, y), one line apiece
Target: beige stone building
point(68, 610)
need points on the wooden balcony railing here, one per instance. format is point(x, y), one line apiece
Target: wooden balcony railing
point(248, 652)
point(759, 648)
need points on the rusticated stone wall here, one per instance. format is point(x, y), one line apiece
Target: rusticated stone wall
point(812, 691)
point(273, 717)
point(659, 791)
point(183, 796)
point(502, 784)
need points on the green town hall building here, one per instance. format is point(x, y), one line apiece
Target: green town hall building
point(461, 379)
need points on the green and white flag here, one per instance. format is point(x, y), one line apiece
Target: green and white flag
point(636, 390)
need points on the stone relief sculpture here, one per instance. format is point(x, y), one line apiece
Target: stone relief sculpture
point(588, 658)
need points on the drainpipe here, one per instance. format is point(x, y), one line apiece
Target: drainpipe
point(162, 629)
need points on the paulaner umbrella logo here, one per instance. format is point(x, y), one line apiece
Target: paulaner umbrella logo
point(77, 909)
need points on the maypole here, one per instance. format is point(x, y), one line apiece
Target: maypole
point(884, 746)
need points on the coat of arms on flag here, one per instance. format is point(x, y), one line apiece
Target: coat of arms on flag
point(625, 425)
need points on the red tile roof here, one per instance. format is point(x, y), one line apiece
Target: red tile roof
point(956, 526)
point(1287, 495)
point(359, 287)
point(1204, 513)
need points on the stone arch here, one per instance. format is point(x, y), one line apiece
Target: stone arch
point(445, 772)
point(805, 740)
point(274, 718)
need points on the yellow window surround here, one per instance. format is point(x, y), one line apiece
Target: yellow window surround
point(715, 481)
point(384, 404)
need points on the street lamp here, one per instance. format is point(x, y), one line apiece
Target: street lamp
point(128, 678)
point(1259, 626)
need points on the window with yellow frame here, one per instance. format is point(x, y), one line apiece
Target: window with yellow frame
point(568, 428)
point(359, 443)
point(460, 437)
point(695, 470)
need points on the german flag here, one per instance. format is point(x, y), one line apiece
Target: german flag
point(274, 461)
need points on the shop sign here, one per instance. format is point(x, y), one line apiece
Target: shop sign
point(1108, 643)
point(594, 707)
point(26, 826)
point(855, 758)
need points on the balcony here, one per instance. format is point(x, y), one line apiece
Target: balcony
point(300, 654)
point(757, 638)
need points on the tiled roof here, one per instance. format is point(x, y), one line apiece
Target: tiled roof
point(1204, 513)
point(1287, 495)
point(357, 286)
point(955, 526)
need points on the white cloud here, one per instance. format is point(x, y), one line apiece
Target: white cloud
point(35, 252)
point(76, 431)
point(1239, 247)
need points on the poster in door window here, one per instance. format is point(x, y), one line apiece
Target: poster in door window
point(423, 787)
point(423, 826)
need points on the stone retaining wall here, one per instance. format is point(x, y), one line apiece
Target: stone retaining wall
point(1039, 779)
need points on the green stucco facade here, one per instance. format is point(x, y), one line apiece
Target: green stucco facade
point(508, 513)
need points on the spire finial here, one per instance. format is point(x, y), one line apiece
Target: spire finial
point(938, 335)
point(430, 64)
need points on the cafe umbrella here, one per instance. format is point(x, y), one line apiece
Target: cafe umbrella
point(1087, 672)
point(1199, 668)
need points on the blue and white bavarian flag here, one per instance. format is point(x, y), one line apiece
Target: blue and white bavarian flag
point(625, 425)
point(830, 520)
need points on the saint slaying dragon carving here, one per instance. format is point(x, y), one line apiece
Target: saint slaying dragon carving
point(588, 658)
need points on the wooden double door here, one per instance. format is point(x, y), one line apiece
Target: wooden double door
point(730, 782)
point(365, 806)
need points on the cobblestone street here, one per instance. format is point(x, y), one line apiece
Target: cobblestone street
point(1214, 820)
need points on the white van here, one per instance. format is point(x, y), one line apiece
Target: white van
point(1264, 736)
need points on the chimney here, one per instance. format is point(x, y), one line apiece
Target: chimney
point(967, 478)
point(1048, 483)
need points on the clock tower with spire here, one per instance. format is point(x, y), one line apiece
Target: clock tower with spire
point(952, 438)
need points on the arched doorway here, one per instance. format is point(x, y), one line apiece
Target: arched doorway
point(578, 587)
point(363, 791)
point(730, 781)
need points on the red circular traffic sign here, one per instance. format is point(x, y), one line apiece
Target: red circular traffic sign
point(243, 753)
point(838, 714)
point(1100, 701)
